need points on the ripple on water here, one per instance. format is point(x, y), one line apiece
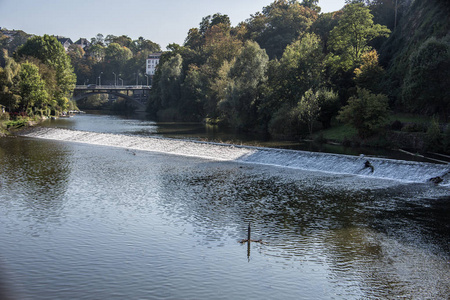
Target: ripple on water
point(133, 224)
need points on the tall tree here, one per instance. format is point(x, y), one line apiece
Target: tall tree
point(309, 108)
point(171, 72)
point(350, 38)
point(31, 88)
point(300, 69)
point(279, 24)
point(370, 74)
point(243, 90)
point(50, 52)
point(9, 79)
point(426, 84)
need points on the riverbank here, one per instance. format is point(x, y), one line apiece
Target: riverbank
point(10, 127)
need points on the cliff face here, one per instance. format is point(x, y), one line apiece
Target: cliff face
point(421, 21)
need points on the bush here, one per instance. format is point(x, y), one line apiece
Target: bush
point(446, 139)
point(434, 136)
point(396, 125)
point(4, 116)
point(286, 122)
point(367, 112)
point(414, 127)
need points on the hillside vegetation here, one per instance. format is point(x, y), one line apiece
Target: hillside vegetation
point(291, 71)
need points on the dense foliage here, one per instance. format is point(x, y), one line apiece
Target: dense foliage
point(112, 60)
point(39, 81)
point(288, 70)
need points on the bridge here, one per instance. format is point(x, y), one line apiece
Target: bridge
point(136, 94)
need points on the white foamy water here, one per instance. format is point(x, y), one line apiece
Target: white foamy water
point(323, 162)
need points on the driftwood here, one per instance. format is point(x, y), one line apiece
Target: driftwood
point(249, 240)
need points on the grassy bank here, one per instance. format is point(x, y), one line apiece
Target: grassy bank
point(403, 131)
point(7, 126)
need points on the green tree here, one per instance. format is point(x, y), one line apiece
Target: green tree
point(279, 24)
point(31, 88)
point(366, 112)
point(123, 40)
point(142, 44)
point(329, 106)
point(350, 38)
point(309, 108)
point(117, 54)
point(49, 51)
point(426, 85)
point(171, 72)
point(434, 137)
point(300, 69)
point(9, 79)
point(370, 74)
point(243, 88)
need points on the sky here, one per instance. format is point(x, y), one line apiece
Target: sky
point(161, 21)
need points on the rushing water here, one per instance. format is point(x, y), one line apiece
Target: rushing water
point(108, 215)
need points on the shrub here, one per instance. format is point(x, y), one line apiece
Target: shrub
point(446, 138)
point(396, 125)
point(4, 116)
point(434, 136)
point(367, 112)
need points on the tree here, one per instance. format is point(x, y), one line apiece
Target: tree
point(170, 81)
point(300, 69)
point(243, 88)
point(98, 40)
point(279, 24)
point(311, 4)
point(350, 38)
point(309, 108)
point(31, 88)
point(123, 40)
point(142, 44)
point(49, 51)
point(220, 45)
point(370, 74)
point(329, 106)
point(366, 112)
point(115, 53)
point(426, 85)
point(8, 83)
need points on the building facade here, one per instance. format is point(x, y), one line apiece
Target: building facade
point(152, 63)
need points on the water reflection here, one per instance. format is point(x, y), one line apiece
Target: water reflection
point(134, 224)
point(358, 234)
point(37, 173)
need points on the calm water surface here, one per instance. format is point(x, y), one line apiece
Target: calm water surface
point(80, 221)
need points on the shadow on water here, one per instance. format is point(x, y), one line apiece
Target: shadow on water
point(364, 231)
point(38, 169)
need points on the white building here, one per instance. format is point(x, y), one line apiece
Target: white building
point(152, 63)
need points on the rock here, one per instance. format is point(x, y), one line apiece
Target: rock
point(436, 180)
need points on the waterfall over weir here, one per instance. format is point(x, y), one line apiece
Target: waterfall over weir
point(312, 161)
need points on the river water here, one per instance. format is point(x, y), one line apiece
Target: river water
point(92, 208)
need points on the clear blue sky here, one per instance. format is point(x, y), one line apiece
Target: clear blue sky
point(161, 21)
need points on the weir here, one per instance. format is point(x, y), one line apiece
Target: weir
point(399, 170)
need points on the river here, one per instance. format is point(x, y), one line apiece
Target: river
point(97, 207)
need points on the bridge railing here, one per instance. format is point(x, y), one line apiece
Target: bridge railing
point(112, 87)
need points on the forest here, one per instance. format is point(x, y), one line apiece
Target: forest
point(292, 71)
point(356, 75)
